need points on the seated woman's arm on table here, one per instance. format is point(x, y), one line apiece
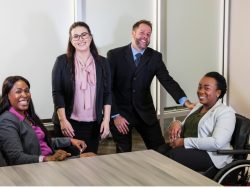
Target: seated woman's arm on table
point(12, 146)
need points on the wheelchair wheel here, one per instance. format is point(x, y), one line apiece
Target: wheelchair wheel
point(235, 173)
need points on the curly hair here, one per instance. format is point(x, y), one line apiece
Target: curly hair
point(221, 82)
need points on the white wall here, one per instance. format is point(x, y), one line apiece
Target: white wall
point(111, 21)
point(239, 57)
point(32, 35)
point(194, 42)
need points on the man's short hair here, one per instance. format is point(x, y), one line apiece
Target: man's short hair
point(137, 24)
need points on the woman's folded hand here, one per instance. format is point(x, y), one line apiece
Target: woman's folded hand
point(59, 155)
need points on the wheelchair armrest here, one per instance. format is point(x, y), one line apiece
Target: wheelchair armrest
point(233, 152)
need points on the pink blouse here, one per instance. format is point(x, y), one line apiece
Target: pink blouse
point(85, 90)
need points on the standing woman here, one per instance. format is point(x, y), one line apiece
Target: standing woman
point(81, 88)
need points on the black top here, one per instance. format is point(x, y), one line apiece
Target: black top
point(63, 86)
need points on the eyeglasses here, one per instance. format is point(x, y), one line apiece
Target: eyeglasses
point(84, 35)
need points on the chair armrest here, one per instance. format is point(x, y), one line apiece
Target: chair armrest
point(233, 152)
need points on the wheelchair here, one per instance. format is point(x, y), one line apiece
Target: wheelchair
point(237, 173)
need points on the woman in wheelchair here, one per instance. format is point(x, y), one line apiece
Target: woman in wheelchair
point(23, 138)
point(206, 129)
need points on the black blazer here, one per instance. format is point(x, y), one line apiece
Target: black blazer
point(63, 86)
point(131, 84)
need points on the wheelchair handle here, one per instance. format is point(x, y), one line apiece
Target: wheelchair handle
point(233, 152)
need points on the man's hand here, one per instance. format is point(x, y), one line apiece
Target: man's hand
point(121, 124)
point(189, 105)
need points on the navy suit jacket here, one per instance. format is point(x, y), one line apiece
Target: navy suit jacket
point(131, 85)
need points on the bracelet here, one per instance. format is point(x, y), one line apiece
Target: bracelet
point(41, 158)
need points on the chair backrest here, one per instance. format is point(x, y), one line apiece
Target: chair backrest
point(241, 133)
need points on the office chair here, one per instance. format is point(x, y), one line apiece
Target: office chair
point(237, 172)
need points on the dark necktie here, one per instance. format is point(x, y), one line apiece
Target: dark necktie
point(137, 59)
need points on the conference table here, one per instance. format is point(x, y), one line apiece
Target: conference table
point(139, 168)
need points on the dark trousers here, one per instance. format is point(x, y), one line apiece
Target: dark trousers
point(86, 131)
point(151, 135)
point(195, 159)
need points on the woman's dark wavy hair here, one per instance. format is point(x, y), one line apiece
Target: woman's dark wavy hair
point(5, 103)
point(221, 82)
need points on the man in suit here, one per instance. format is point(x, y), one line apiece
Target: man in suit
point(132, 69)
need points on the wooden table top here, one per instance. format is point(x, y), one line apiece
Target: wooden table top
point(140, 168)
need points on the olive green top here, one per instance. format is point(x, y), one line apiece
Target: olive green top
point(190, 127)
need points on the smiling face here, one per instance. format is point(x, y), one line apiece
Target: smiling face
point(208, 92)
point(81, 38)
point(141, 37)
point(19, 96)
